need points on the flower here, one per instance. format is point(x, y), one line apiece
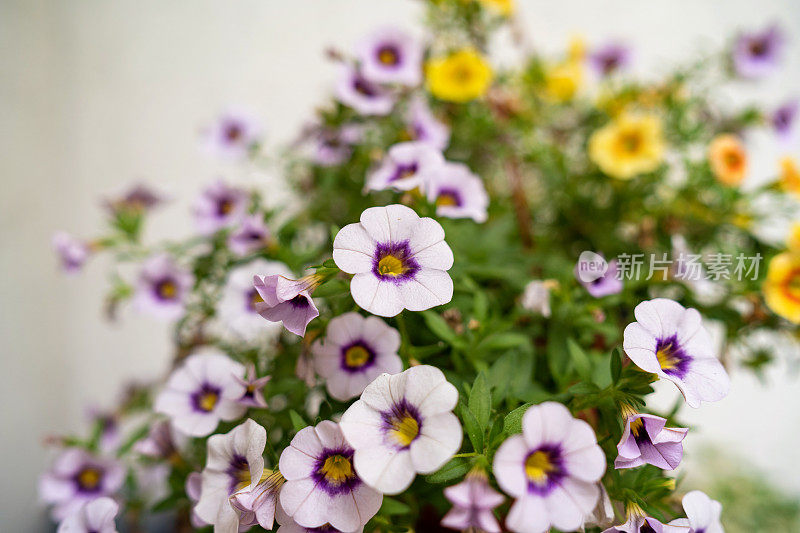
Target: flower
point(610, 58)
point(194, 485)
point(702, 513)
point(234, 135)
point(251, 236)
point(76, 478)
point(287, 301)
point(757, 54)
point(645, 524)
point(646, 440)
point(354, 90)
point(402, 425)
point(782, 286)
point(160, 442)
point(253, 386)
point(219, 206)
point(423, 126)
point(607, 284)
point(236, 308)
point(234, 462)
point(95, 516)
point(322, 486)
point(784, 119)
point(552, 469)
point(457, 192)
point(628, 146)
point(162, 288)
point(793, 240)
point(458, 77)
point(603, 514)
point(390, 55)
point(138, 199)
point(670, 341)
point(563, 80)
point(536, 297)
point(502, 7)
point(288, 525)
point(728, 159)
point(405, 167)
point(356, 350)
point(71, 252)
point(400, 261)
point(334, 146)
point(790, 176)
point(257, 505)
point(473, 500)
point(201, 392)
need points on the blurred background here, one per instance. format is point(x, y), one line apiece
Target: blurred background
point(98, 94)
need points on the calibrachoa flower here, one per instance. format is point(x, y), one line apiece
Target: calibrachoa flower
point(257, 505)
point(784, 119)
point(201, 392)
point(366, 97)
point(403, 425)
point(334, 147)
point(630, 145)
point(194, 486)
point(458, 77)
point(253, 395)
point(237, 307)
point(71, 252)
point(552, 469)
point(250, 236)
point(702, 513)
point(287, 300)
point(473, 500)
point(758, 54)
point(457, 192)
point(219, 206)
point(356, 350)
point(96, 516)
point(139, 198)
point(423, 126)
point(645, 524)
point(400, 261)
point(536, 297)
point(790, 176)
point(234, 463)
point(288, 525)
point(322, 486)
point(782, 286)
point(162, 287)
point(610, 58)
point(563, 80)
point(160, 442)
point(76, 478)
point(728, 159)
point(405, 167)
point(234, 135)
point(670, 341)
point(390, 55)
point(603, 514)
point(647, 440)
point(607, 284)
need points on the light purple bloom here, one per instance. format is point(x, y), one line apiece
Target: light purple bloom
point(405, 167)
point(670, 341)
point(234, 135)
point(110, 437)
point(607, 284)
point(702, 513)
point(71, 252)
point(610, 58)
point(194, 486)
point(253, 388)
point(757, 54)
point(784, 120)
point(76, 478)
point(353, 90)
point(473, 500)
point(257, 505)
point(139, 198)
point(457, 192)
point(645, 524)
point(219, 206)
point(96, 516)
point(162, 288)
point(390, 55)
point(334, 147)
point(288, 525)
point(322, 486)
point(250, 236)
point(423, 126)
point(287, 300)
point(160, 442)
point(646, 441)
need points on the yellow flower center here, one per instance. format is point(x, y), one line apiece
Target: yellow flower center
point(404, 429)
point(387, 56)
point(337, 469)
point(207, 401)
point(630, 141)
point(255, 298)
point(636, 427)
point(89, 478)
point(225, 207)
point(356, 356)
point(538, 466)
point(390, 265)
point(167, 289)
point(446, 198)
point(667, 357)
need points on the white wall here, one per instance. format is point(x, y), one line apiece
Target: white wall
point(97, 93)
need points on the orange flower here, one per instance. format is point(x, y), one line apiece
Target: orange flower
point(728, 159)
point(790, 176)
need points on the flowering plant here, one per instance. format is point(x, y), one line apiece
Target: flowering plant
point(431, 332)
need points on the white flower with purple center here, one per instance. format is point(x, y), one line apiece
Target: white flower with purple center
point(423, 126)
point(205, 389)
point(758, 54)
point(405, 167)
point(646, 440)
point(403, 425)
point(366, 97)
point(645, 524)
point(162, 288)
point(250, 236)
point(96, 516)
point(610, 58)
point(322, 487)
point(473, 500)
point(139, 198)
point(76, 478)
point(234, 463)
point(702, 513)
point(234, 135)
point(219, 206)
point(237, 307)
point(670, 341)
point(194, 485)
point(390, 55)
point(253, 395)
point(457, 192)
point(784, 120)
point(606, 284)
point(257, 505)
point(288, 525)
point(356, 350)
point(287, 301)
point(71, 252)
point(162, 442)
point(333, 147)
point(552, 470)
point(399, 261)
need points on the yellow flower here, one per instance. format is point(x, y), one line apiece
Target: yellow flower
point(793, 241)
point(459, 77)
point(630, 145)
point(563, 80)
point(790, 176)
point(576, 50)
point(728, 159)
point(782, 286)
point(503, 7)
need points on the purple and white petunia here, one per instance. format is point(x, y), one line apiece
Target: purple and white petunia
point(646, 524)
point(406, 166)
point(334, 147)
point(194, 485)
point(96, 516)
point(423, 126)
point(201, 392)
point(390, 55)
point(784, 120)
point(610, 58)
point(322, 486)
point(77, 478)
point(234, 135)
point(702, 513)
point(356, 350)
point(552, 470)
point(139, 198)
point(366, 97)
point(399, 261)
point(403, 425)
point(758, 54)
point(473, 500)
point(72, 252)
point(646, 440)
point(607, 284)
point(234, 463)
point(219, 206)
point(162, 288)
point(250, 236)
point(288, 525)
point(670, 341)
point(253, 395)
point(162, 442)
point(257, 505)
point(457, 192)
point(287, 301)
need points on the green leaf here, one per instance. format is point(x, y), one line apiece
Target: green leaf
point(513, 421)
point(455, 468)
point(616, 365)
point(473, 428)
point(480, 401)
point(580, 359)
point(441, 329)
point(504, 341)
point(391, 506)
point(297, 421)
